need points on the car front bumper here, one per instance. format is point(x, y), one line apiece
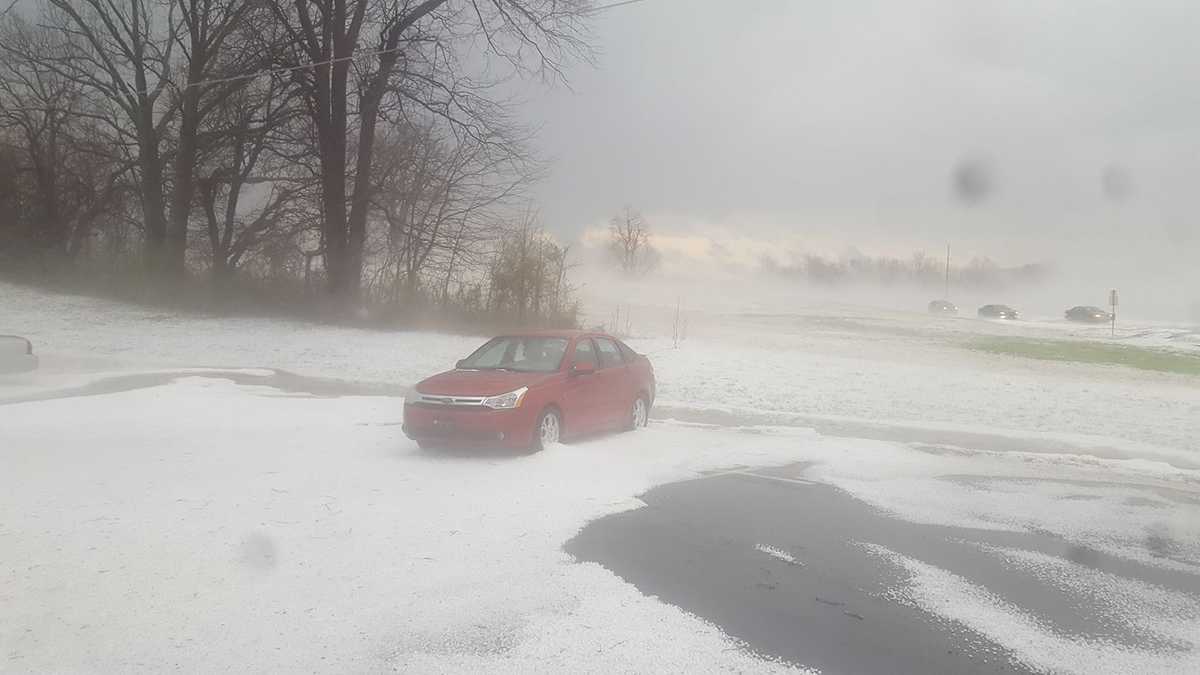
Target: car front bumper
point(473, 425)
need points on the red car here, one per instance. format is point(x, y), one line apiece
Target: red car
point(530, 390)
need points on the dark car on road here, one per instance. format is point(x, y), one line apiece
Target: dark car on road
point(530, 390)
point(997, 312)
point(1088, 314)
point(943, 307)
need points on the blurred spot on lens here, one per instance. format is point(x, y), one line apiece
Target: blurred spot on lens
point(1116, 183)
point(258, 552)
point(972, 180)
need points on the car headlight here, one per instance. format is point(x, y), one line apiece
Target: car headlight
point(411, 395)
point(506, 401)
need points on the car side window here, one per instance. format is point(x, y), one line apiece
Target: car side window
point(584, 352)
point(610, 356)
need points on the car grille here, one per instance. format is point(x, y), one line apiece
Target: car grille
point(452, 401)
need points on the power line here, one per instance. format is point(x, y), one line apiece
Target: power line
point(601, 8)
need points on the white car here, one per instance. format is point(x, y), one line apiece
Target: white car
point(16, 355)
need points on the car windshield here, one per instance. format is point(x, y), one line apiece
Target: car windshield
point(518, 353)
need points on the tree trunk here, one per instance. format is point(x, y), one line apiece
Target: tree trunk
point(221, 271)
point(185, 166)
point(450, 271)
point(332, 129)
point(152, 205)
point(331, 141)
point(360, 202)
point(50, 236)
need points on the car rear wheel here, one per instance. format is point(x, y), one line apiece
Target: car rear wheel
point(548, 429)
point(640, 414)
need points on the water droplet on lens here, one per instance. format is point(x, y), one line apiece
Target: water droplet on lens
point(972, 180)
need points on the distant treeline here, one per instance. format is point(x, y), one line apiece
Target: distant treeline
point(918, 270)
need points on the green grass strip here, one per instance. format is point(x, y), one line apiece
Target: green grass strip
point(1144, 358)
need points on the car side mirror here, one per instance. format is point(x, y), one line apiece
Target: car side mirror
point(459, 364)
point(583, 368)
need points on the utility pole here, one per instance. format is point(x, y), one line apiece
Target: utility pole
point(946, 297)
point(675, 325)
point(1112, 301)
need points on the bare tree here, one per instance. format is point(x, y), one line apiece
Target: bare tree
point(629, 243)
point(438, 197)
point(122, 55)
point(328, 33)
point(250, 195)
point(369, 135)
point(37, 104)
point(73, 180)
point(211, 75)
point(153, 70)
point(367, 52)
point(527, 277)
point(467, 249)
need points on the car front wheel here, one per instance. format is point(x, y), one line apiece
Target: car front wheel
point(548, 429)
point(640, 413)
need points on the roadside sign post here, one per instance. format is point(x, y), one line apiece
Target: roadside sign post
point(1112, 302)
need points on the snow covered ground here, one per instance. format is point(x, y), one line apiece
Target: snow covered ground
point(201, 524)
point(844, 362)
point(207, 526)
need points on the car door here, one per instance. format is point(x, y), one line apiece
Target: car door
point(615, 394)
point(580, 399)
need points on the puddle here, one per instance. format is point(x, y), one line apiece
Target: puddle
point(698, 545)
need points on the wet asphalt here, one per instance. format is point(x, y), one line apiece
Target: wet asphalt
point(696, 545)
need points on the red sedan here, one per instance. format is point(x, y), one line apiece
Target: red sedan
point(530, 390)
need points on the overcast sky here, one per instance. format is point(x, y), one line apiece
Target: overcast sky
point(816, 125)
point(813, 126)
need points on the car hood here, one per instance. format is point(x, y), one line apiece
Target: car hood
point(479, 382)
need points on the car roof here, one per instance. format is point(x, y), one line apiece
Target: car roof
point(567, 333)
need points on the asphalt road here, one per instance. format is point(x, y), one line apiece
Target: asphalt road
point(698, 545)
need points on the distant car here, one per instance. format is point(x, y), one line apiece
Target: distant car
point(942, 307)
point(1088, 314)
point(530, 390)
point(997, 312)
point(16, 354)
